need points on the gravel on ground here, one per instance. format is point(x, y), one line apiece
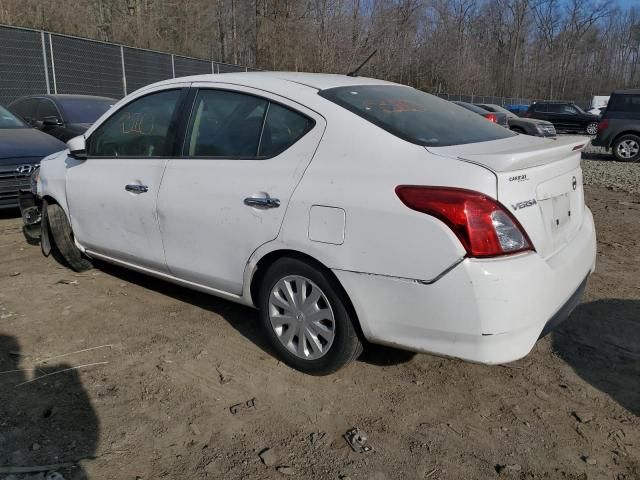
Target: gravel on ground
point(125, 376)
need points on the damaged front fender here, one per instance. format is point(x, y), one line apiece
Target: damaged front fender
point(31, 212)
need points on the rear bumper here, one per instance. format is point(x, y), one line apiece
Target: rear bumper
point(487, 311)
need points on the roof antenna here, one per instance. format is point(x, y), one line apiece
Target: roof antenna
point(355, 72)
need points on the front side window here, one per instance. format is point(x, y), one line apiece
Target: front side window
point(141, 128)
point(225, 124)
point(415, 116)
point(568, 109)
point(46, 108)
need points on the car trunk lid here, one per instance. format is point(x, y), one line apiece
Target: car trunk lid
point(538, 180)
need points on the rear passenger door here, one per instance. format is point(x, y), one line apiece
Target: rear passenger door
point(243, 155)
point(556, 116)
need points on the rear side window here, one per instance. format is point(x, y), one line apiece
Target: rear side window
point(139, 129)
point(540, 107)
point(225, 124)
point(282, 128)
point(416, 116)
point(624, 103)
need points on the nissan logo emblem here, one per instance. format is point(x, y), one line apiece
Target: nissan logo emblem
point(574, 183)
point(24, 169)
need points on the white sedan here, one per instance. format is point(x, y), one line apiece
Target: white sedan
point(344, 209)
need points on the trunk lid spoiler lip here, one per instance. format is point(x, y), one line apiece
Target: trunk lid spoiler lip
point(508, 155)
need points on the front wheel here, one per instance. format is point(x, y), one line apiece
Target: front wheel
point(592, 128)
point(306, 318)
point(627, 148)
point(62, 237)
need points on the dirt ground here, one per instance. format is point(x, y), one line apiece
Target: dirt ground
point(189, 390)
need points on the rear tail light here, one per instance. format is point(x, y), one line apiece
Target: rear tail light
point(603, 125)
point(484, 227)
point(491, 117)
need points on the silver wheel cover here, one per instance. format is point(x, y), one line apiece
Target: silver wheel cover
point(627, 149)
point(301, 317)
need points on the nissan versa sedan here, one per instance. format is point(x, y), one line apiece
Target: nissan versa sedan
point(345, 209)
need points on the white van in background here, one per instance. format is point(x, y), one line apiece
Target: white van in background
point(598, 104)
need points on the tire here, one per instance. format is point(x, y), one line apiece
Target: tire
point(592, 129)
point(62, 237)
point(627, 148)
point(336, 342)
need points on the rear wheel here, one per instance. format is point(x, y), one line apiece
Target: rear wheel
point(62, 237)
point(592, 128)
point(306, 318)
point(627, 148)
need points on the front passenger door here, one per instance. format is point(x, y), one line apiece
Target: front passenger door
point(112, 195)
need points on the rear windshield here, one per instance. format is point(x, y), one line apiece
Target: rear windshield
point(416, 116)
point(85, 110)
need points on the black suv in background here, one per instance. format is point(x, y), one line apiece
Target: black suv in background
point(566, 117)
point(61, 116)
point(619, 128)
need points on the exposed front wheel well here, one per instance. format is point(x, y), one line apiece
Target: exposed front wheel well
point(269, 259)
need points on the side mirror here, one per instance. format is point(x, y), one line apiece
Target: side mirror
point(77, 148)
point(52, 121)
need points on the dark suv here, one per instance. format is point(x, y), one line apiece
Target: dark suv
point(566, 117)
point(61, 116)
point(619, 128)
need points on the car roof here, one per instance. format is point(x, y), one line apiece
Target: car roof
point(635, 91)
point(63, 96)
point(317, 81)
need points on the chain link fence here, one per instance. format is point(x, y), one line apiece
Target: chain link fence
point(36, 62)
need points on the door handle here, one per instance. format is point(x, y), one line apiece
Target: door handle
point(262, 201)
point(136, 188)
